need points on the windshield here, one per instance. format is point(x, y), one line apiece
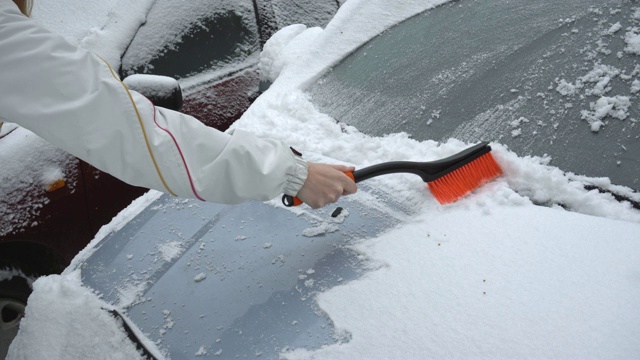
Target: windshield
point(550, 77)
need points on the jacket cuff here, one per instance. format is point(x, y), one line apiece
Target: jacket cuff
point(297, 175)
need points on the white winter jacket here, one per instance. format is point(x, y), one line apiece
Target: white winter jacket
point(73, 99)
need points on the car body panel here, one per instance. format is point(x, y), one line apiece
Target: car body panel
point(219, 103)
point(235, 280)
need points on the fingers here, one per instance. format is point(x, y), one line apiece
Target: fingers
point(347, 183)
point(325, 184)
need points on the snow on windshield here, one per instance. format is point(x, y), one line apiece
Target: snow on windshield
point(489, 276)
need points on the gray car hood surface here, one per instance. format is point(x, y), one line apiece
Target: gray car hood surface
point(237, 281)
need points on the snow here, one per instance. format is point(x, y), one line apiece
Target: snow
point(271, 61)
point(491, 276)
point(632, 38)
point(8, 274)
point(614, 28)
point(458, 286)
point(152, 85)
point(104, 27)
point(41, 335)
point(200, 277)
point(160, 35)
point(565, 88)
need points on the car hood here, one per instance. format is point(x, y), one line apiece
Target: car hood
point(234, 280)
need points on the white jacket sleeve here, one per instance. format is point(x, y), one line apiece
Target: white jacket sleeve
point(73, 99)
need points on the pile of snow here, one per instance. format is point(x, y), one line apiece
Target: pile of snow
point(615, 107)
point(64, 320)
point(632, 38)
point(599, 80)
point(355, 23)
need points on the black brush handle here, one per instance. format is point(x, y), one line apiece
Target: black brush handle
point(428, 171)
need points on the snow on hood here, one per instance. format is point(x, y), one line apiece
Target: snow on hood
point(487, 281)
point(75, 323)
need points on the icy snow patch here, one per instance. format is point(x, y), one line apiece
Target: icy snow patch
point(616, 107)
point(632, 38)
point(321, 229)
point(601, 75)
point(565, 88)
point(170, 250)
point(614, 28)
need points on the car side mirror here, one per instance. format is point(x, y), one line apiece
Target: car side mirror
point(163, 91)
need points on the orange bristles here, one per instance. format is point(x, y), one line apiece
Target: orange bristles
point(467, 178)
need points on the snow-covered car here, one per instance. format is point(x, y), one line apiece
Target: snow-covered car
point(51, 203)
point(542, 262)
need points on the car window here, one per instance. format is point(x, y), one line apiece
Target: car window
point(188, 37)
point(555, 78)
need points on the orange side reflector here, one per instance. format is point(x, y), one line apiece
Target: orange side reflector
point(51, 187)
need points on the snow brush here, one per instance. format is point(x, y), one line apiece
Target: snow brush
point(448, 179)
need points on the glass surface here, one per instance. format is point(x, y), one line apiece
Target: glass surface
point(545, 77)
point(183, 38)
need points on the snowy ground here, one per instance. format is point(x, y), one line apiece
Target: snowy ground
point(491, 276)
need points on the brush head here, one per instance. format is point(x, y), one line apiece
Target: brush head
point(461, 181)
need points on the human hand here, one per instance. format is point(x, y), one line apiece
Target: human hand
point(325, 184)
